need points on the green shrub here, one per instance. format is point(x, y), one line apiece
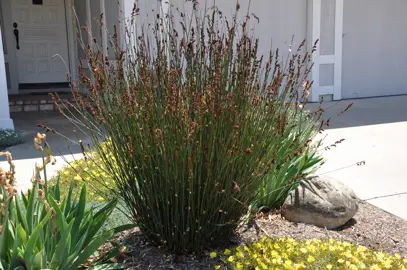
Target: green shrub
point(195, 121)
point(286, 253)
point(296, 159)
point(9, 138)
point(42, 230)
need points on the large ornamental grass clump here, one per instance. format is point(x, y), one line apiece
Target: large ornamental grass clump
point(195, 119)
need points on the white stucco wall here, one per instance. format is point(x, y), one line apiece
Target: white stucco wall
point(279, 20)
point(374, 48)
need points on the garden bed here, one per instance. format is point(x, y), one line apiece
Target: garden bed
point(371, 227)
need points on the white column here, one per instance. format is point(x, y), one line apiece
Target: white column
point(72, 43)
point(314, 34)
point(338, 49)
point(5, 120)
point(104, 28)
point(145, 17)
point(325, 81)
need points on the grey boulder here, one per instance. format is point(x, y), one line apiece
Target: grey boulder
point(321, 201)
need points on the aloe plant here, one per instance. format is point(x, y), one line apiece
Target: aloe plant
point(42, 230)
point(296, 159)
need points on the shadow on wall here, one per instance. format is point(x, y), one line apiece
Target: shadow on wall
point(365, 112)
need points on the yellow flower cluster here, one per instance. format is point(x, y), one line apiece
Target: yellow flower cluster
point(287, 253)
point(90, 171)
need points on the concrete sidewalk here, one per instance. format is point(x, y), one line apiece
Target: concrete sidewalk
point(375, 131)
point(25, 156)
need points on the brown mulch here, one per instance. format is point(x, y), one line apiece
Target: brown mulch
point(371, 227)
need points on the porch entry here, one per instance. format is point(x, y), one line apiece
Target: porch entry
point(40, 40)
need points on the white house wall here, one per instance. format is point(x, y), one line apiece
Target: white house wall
point(282, 24)
point(279, 20)
point(374, 48)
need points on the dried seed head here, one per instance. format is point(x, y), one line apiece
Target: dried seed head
point(38, 141)
point(47, 208)
point(35, 179)
point(38, 168)
point(306, 93)
point(41, 194)
point(8, 155)
point(11, 191)
point(236, 186)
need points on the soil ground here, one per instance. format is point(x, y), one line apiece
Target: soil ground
point(371, 227)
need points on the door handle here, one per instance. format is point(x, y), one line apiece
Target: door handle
point(17, 35)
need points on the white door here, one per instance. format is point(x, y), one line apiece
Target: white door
point(42, 46)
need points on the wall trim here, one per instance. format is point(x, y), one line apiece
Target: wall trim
point(10, 57)
point(315, 21)
point(314, 33)
point(338, 49)
point(104, 36)
point(5, 120)
point(72, 46)
point(326, 59)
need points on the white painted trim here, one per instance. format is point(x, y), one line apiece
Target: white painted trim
point(104, 36)
point(326, 59)
point(315, 20)
point(6, 123)
point(314, 28)
point(338, 49)
point(122, 23)
point(89, 21)
point(72, 46)
point(5, 120)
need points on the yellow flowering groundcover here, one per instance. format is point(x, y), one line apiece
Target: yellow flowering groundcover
point(287, 253)
point(90, 171)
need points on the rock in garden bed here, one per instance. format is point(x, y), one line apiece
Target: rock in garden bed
point(371, 227)
point(321, 201)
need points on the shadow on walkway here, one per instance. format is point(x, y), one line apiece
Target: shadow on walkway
point(365, 112)
point(27, 122)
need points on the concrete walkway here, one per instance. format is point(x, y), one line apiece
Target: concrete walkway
point(375, 131)
point(25, 156)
